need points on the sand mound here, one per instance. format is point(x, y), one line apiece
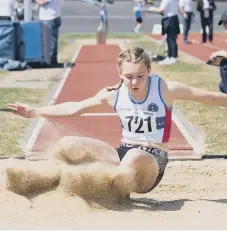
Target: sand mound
point(26, 177)
point(79, 150)
point(97, 180)
point(78, 168)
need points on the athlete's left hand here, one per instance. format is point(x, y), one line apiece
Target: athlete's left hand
point(23, 110)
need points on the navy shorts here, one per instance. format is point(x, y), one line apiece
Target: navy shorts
point(160, 156)
point(139, 20)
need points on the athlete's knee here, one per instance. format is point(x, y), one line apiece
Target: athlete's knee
point(143, 162)
point(145, 166)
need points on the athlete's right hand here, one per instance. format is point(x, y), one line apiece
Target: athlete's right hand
point(217, 54)
point(185, 15)
point(22, 110)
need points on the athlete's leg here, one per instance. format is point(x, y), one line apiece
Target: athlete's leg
point(82, 150)
point(148, 167)
point(138, 24)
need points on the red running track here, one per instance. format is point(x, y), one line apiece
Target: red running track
point(94, 69)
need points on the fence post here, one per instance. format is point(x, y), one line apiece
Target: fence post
point(27, 10)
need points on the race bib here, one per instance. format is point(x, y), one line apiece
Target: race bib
point(139, 122)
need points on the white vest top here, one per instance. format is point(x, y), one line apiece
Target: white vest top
point(139, 6)
point(147, 121)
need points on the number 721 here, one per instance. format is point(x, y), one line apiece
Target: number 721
point(142, 123)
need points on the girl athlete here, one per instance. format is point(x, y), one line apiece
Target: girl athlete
point(144, 104)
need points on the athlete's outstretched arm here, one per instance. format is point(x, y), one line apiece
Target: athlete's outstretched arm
point(180, 91)
point(66, 109)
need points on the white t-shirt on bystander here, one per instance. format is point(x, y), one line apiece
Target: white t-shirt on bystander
point(187, 5)
point(7, 8)
point(170, 7)
point(50, 10)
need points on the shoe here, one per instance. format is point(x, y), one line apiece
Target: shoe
point(173, 60)
point(164, 61)
point(169, 61)
point(136, 30)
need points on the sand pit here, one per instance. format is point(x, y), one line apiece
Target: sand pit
point(192, 195)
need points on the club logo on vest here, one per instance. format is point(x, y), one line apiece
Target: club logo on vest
point(152, 107)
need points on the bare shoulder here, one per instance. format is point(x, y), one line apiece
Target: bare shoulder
point(177, 89)
point(173, 86)
point(172, 90)
point(108, 96)
point(181, 91)
point(105, 94)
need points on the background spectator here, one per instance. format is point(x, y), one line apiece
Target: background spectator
point(186, 8)
point(7, 10)
point(50, 15)
point(206, 9)
point(220, 57)
point(170, 28)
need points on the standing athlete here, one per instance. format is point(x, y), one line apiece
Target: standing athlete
point(138, 12)
point(144, 105)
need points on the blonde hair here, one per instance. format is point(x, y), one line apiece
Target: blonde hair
point(132, 55)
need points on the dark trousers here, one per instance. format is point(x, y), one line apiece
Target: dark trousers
point(170, 27)
point(187, 25)
point(54, 24)
point(172, 45)
point(204, 23)
point(223, 74)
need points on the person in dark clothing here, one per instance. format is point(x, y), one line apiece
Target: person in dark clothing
point(219, 58)
point(186, 8)
point(50, 15)
point(170, 27)
point(206, 9)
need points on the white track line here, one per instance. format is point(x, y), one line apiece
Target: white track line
point(64, 78)
point(186, 134)
point(99, 114)
point(41, 121)
point(34, 135)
